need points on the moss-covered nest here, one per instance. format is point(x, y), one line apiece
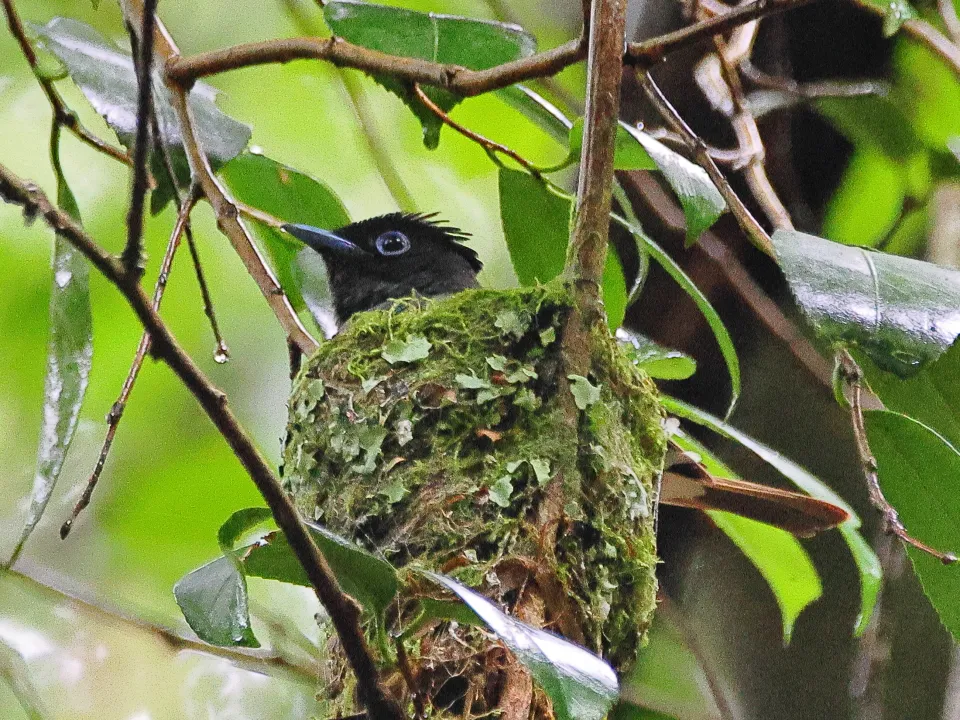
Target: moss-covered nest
point(439, 433)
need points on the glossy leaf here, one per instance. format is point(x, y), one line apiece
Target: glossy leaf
point(777, 554)
point(372, 581)
point(918, 472)
point(239, 524)
point(657, 361)
point(866, 560)
point(213, 599)
point(69, 358)
point(580, 685)
point(903, 313)
point(701, 201)
point(720, 332)
point(932, 396)
point(105, 75)
point(628, 153)
point(291, 196)
point(536, 224)
point(476, 44)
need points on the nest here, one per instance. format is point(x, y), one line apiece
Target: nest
point(439, 435)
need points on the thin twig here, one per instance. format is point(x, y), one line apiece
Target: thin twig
point(116, 411)
point(489, 145)
point(745, 128)
point(853, 380)
point(652, 51)
point(948, 13)
point(62, 115)
point(260, 662)
point(754, 231)
point(223, 206)
point(221, 353)
point(132, 255)
point(455, 78)
point(343, 611)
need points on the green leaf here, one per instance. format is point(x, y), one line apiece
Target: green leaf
point(866, 560)
point(777, 554)
point(295, 197)
point(657, 361)
point(626, 711)
point(628, 153)
point(903, 313)
point(105, 75)
point(932, 396)
point(476, 44)
point(918, 472)
point(867, 203)
point(69, 358)
point(539, 111)
point(584, 392)
point(729, 352)
point(239, 524)
point(701, 201)
point(780, 558)
point(410, 349)
point(580, 685)
point(895, 13)
point(213, 599)
point(372, 581)
point(536, 224)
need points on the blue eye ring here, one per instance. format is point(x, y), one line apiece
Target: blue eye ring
point(391, 243)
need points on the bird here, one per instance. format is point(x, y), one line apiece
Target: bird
point(374, 261)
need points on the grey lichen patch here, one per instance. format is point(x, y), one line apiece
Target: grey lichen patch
point(451, 451)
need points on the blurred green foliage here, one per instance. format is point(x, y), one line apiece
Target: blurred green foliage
point(170, 480)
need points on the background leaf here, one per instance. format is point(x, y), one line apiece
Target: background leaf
point(580, 685)
point(476, 44)
point(720, 332)
point(239, 524)
point(372, 581)
point(213, 599)
point(918, 472)
point(701, 201)
point(536, 224)
point(69, 358)
point(903, 313)
point(657, 361)
point(292, 196)
point(106, 76)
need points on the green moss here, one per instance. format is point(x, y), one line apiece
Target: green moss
point(436, 433)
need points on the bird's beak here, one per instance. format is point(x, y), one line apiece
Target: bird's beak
point(324, 240)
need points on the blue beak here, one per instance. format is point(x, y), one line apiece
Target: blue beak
point(324, 241)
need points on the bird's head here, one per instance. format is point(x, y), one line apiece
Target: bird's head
point(391, 256)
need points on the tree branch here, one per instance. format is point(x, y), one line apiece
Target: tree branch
point(223, 207)
point(748, 223)
point(343, 611)
point(132, 255)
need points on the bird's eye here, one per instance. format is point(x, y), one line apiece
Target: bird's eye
point(392, 243)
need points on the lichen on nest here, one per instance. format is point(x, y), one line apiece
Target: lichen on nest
point(434, 434)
